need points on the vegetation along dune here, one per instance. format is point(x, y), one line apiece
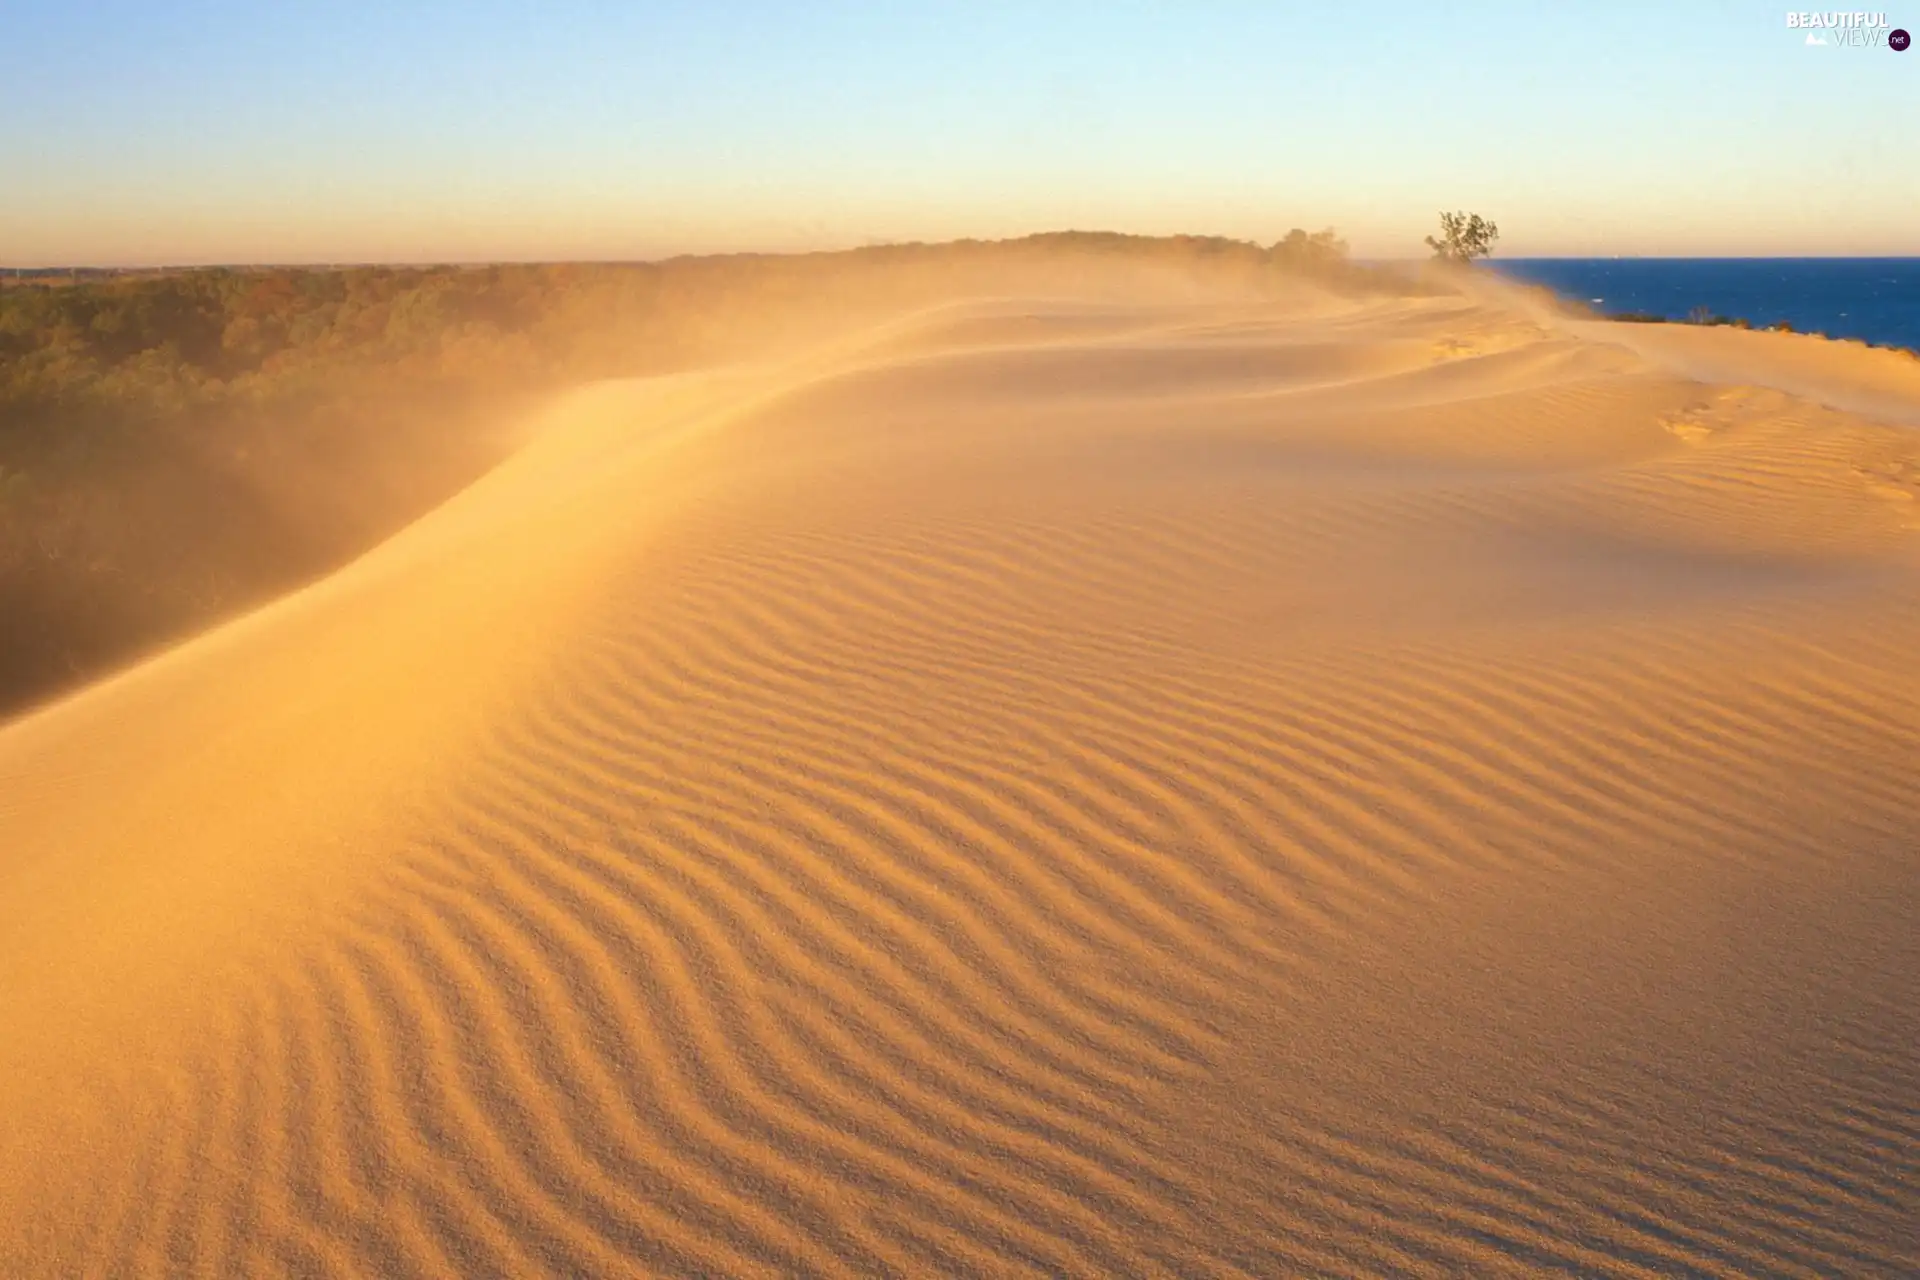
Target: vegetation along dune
point(1107, 758)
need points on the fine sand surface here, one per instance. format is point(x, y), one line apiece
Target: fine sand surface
point(1049, 787)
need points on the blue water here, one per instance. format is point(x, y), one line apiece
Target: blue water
point(1874, 299)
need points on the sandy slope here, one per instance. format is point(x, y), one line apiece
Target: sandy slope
point(1286, 788)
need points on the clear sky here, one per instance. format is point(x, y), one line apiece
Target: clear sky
point(207, 130)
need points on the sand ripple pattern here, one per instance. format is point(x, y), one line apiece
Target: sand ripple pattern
point(1011, 828)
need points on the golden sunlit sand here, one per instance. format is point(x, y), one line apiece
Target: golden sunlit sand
point(1134, 785)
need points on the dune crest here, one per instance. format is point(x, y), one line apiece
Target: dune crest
point(1046, 786)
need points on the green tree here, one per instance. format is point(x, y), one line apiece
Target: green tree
point(1463, 237)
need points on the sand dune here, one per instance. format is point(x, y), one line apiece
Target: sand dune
point(1046, 787)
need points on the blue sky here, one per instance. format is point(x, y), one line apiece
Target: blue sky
point(203, 130)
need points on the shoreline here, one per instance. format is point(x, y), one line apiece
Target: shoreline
point(1848, 299)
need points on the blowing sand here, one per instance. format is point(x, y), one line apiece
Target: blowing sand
point(1158, 788)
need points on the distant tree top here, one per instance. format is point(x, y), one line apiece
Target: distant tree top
point(1321, 249)
point(1463, 237)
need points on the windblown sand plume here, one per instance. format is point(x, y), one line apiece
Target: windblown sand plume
point(1236, 787)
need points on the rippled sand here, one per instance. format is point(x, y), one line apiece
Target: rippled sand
point(1299, 787)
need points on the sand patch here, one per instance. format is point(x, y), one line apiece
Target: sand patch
point(1117, 787)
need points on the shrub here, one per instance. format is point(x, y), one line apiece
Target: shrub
point(1463, 237)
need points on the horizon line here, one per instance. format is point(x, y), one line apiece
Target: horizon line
point(347, 264)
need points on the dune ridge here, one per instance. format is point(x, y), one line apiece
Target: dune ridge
point(1047, 786)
